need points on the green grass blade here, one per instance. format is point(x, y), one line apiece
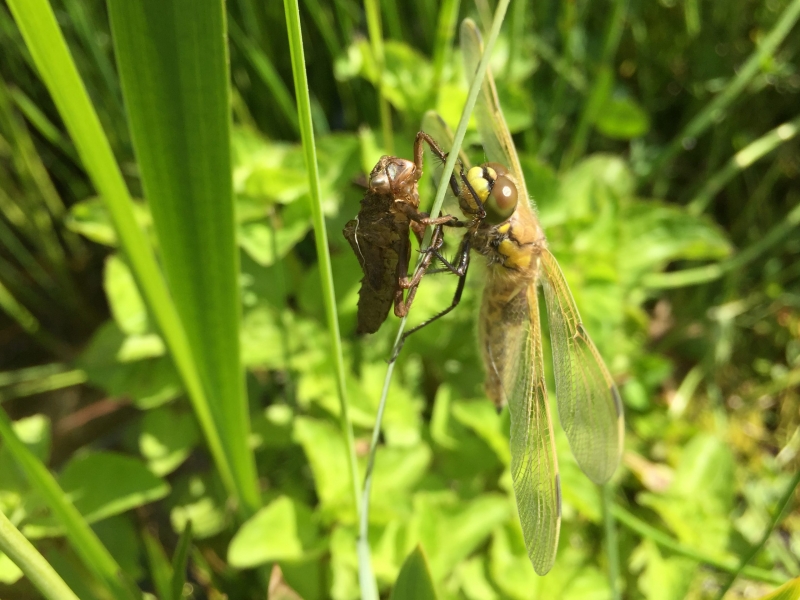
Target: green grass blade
point(741, 160)
point(173, 66)
point(49, 51)
point(269, 75)
point(715, 109)
point(87, 545)
point(38, 571)
point(599, 87)
point(373, 10)
point(782, 505)
point(714, 271)
point(665, 541)
point(445, 32)
point(321, 238)
point(179, 562)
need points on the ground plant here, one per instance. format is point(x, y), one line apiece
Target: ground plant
point(187, 410)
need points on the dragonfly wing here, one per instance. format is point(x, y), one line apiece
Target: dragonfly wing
point(497, 141)
point(588, 401)
point(511, 339)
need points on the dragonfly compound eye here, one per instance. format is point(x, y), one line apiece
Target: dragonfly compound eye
point(496, 189)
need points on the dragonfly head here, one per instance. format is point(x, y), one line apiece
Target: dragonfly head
point(496, 190)
point(393, 176)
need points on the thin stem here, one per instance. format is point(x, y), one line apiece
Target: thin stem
point(612, 540)
point(326, 273)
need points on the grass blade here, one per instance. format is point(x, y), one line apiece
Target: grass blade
point(49, 51)
point(31, 563)
point(87, 545)
point(783, 504)
point(751, 153)
point(715, 110)
point(173, 66)
point(665, 541)
point(320, 235)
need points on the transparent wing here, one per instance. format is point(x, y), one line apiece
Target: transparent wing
point(588, 401)
point(511, 340)
point(492, 126)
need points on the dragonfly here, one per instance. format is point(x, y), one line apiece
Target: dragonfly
point(505, 230)
point(379, 236)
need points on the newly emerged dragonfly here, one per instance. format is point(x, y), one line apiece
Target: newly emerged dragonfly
point(379, 236)
point(506, 231)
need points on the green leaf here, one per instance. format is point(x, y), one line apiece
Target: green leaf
point(697, 505)
point(149, 383)
point(180, 561)
point(788, 591)
point(173, 67)
point(166, 438)
point(265, 243)
point(622, 119)
point(126, 303)
point(281, 531)
point(101, 485)
point(450, 530)
point(326, 452)
point(160, 568)
point(414, 581)
point(655, 233)
point(665, 578)
point(92, 219)
point(9, 572)
point(119, 536)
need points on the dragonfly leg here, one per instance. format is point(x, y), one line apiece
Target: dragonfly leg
point(437, 151)
point(459, 269)
point(401, 307)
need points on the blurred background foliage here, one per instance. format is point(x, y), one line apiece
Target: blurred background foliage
point(659, 142)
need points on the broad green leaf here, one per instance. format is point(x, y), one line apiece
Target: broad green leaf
point(126, 303)
point(197, 499)
point(9, 572)
point(655, 233)
point(414, 581)
point(173, 67)
point(396, 472)
point(149, 382)
point(166, 438)
point(622, 119)
point(325, 450)
point(788, 591)
point(101, 485)
point(91, 219)
point(344, 564)
point(665, 578)
point(481, 416)
point(266, 242)
point(697, 505)
point(449, 529)
point(119, 536)
point(281, 531)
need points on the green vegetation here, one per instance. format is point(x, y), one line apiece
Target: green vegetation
point(186, 411)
